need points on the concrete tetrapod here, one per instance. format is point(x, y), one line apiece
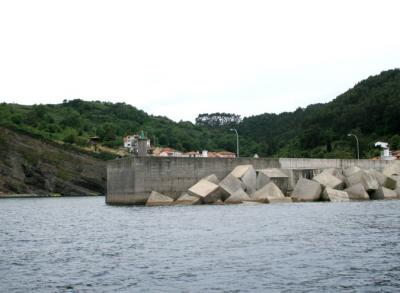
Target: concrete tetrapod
point(357, 192)
point(270, 193)
point(158, 199)
point(238, 196)
point(366, 179)
point(384, 193)
point(328, 180)
point(207, 191)
point(229, 185)
point(186, 199)
point(383, 180)
point(306, 190)
point(275, 175)
point(334, 195)
point(212, 178)
point(247, 175)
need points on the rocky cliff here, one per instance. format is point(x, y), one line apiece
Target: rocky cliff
point(31, 165)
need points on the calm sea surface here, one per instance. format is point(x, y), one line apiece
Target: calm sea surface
point(83, 245)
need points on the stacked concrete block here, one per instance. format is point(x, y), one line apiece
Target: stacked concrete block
point(383, 180)
point(247, 175)
point(186, 199)
point(365, 178)
point(275, 175)
point(328, 180)
point(336, 172)
point(207, 191)
point(334, 195)
point(270, 193)
point(307, 190)
point(212, 178)
point(229, 185)
point(237, 197)
point(383, 193)
point(158, 199)
point(351, 170)
point(357, 192)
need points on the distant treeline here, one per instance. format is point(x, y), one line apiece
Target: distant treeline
point(370, 110)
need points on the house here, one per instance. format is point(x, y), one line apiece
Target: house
point(222, 154)
point(131, 142)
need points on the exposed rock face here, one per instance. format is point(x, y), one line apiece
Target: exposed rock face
point(328, 180)
point(362, 177)
point(229, 185)
point(238, 196)
point(186, 199)
point(270, 193)
point(384, 193)
point(247, 175)
point(357, 192)
point(307, 190)
point(30, 165)
point(334, 195)
point(273, 175)
point(158, 199)
point(207, 191)
point(212, 178)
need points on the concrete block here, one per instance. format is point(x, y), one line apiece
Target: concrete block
point(270, 193)
point(275, 175)
point(351, 170)
point(158, 199)
point(334, 195)
point(218, 202)
point(362, 177)
point(247, 175)
point(207, 191)
point(357, 192)
point(383, 193)
point(338, 173)
point(307, 190)
point(238, 196)
point(328, 180)
point(212, 178)
point(383, 180)
point(229, 185)
point(186, 199)
point(393, 168)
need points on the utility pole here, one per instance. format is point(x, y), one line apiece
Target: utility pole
point(237, 141)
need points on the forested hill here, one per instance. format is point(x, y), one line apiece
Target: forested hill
point(370, 110)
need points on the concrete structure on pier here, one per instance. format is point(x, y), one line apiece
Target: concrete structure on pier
point(131, 180)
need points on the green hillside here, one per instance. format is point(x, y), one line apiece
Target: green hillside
point(370, 110)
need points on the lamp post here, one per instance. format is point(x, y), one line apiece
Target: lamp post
point(358, 148)
point(237, 141)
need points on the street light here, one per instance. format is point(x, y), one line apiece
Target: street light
point(358, 148)
point(237, 141)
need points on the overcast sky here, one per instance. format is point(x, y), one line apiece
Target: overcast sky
point(182, 58)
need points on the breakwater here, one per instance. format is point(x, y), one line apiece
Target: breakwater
point(131, 180)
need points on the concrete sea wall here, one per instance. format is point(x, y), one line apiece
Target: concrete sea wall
point(131, 180)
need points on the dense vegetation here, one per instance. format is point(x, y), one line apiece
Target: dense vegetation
point(370, 110)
